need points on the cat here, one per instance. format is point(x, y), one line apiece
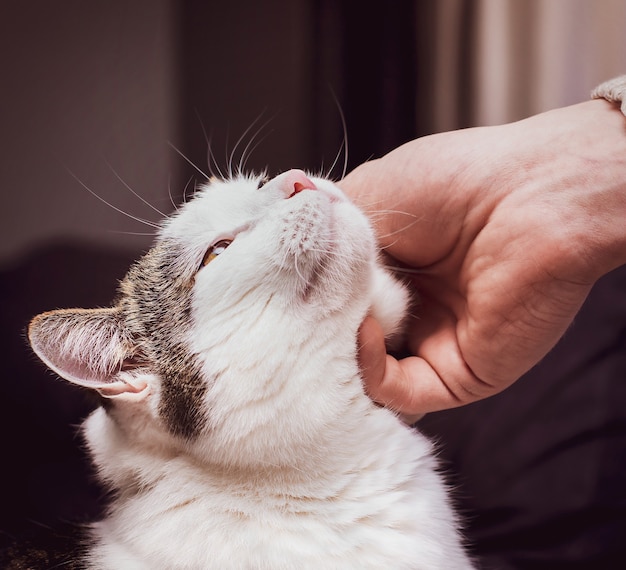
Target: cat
point(234, 430)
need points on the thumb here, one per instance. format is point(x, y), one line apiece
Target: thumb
point(410, 386)
point(386, 380)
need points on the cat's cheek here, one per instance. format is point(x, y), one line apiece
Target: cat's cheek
point(390, 301)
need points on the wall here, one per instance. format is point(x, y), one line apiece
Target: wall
point(85, 85)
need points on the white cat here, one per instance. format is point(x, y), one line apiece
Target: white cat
point(234, 430)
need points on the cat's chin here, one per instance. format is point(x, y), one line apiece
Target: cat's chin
point(323, 249)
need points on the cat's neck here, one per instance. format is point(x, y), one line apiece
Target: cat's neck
point(353, 442)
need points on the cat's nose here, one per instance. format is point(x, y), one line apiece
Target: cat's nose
point(295, 181)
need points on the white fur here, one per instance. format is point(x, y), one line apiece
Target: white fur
point(295, 467)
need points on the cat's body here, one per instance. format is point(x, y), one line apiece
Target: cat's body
point(235, 431)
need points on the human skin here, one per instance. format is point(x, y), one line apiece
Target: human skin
point(504, 231)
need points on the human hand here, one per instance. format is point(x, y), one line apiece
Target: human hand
point(505, 229)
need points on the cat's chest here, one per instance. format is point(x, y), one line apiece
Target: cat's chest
point(342, 524)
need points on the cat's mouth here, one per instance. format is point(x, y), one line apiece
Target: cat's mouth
point(322, 248)
point(317, 278)
point(306, 238)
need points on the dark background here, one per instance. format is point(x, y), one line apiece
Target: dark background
point(101, 91)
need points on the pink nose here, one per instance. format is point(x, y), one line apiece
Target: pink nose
point(295, 181)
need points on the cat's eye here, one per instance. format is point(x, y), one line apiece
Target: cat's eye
point(263, 181)
point(216, 249)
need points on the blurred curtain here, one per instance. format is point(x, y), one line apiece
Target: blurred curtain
point(410, 68)
point(368, 55)
point(497, 61)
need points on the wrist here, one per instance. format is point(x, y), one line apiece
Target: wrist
point(572, 170)
point(605, 200)
point(614, 92)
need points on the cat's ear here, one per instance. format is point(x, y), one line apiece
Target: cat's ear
point(91, 348)
point(390, 304)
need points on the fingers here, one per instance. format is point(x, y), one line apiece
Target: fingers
point(410, 386)
point(413, 386)
point(372, 356)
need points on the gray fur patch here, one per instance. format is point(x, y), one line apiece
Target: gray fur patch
point(155, 297)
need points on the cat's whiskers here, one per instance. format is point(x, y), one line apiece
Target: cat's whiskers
point(389, 245)
point(127, 186)
point(96, 195)
point(153, 234)
point(399, 230)
point(374, 210)
point(249, 149)
point(211, 161)
point(169, 192)
point(368, 207)
point(297, 270)
point(231, 171)
point(377, 214)
point(344, 143)
point(185, 189)
point(342, 147)
point(382, 213)
point(282, 263)
point(204, 174)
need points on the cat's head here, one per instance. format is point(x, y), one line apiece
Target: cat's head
point(244, 312)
